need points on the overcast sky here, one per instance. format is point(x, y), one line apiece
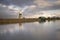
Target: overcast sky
point(9, 8)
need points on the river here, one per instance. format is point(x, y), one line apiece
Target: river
point(31, 31)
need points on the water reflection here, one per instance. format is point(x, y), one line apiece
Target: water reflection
point(30, 31)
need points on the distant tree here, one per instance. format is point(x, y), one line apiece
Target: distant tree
point(42, 18)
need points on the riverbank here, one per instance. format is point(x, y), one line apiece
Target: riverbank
point(24, 20)
point(18, 20)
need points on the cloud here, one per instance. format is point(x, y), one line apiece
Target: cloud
point(7, 2)
point(20, 3)
point(57, 2)
point(11, 11)
point(3, 5)
point(31, 7)
point(5, 12)
point(42, 3)
point(48, 4)
point(28, 7)
point(28, 10)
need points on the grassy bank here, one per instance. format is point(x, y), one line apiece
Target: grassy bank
point(18, 20)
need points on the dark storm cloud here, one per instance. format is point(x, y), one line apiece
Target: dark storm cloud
point(17, 2)
point(6, 2)
point(42, 4)
point(22, 2)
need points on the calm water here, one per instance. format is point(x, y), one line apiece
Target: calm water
point(31, 31)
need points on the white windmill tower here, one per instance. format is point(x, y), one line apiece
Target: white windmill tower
point(21, 12)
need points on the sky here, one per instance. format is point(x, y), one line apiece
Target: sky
point(29, 8)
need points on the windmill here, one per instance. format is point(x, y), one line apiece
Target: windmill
point(18, 10)
point(21, 12)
